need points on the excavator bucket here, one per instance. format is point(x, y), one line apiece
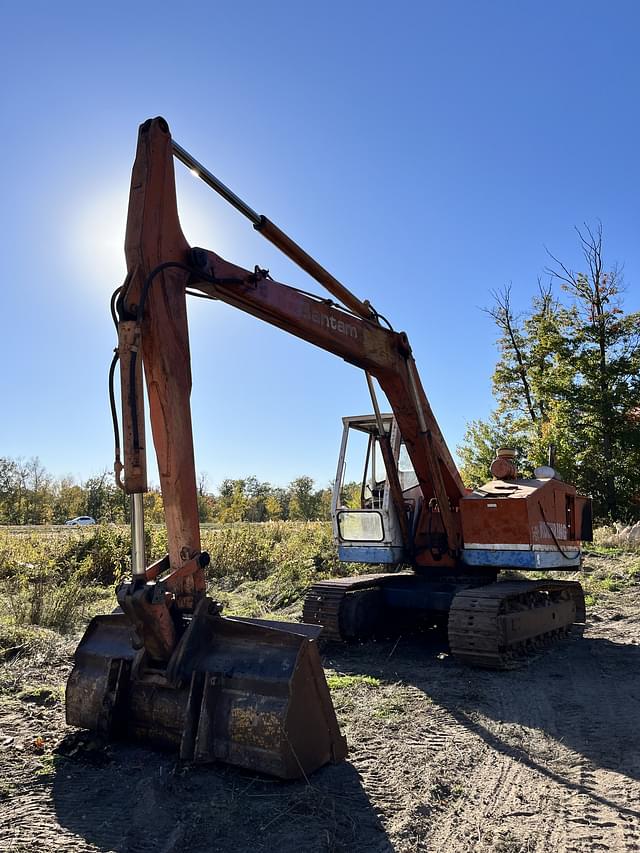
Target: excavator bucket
point(247, 692)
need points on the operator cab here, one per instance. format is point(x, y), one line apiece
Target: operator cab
point(365, 521)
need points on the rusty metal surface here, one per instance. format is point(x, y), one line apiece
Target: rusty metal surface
point(154, 238)
point(96, 686)
point(532, 513)
point(147, 611)
point(495, 625)
point(298, 255)
point(133, 430)
point(155, 297)
point(246, 692)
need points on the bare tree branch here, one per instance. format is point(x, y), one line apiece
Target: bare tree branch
point(503, 315)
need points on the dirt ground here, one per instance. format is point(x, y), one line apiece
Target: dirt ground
point(442, 758)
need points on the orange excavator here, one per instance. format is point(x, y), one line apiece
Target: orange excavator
point(168, 668)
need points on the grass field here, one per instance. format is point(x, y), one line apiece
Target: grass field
point(56, 577)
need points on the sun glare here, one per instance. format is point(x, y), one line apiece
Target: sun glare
point(95, 243)
point(94, 223)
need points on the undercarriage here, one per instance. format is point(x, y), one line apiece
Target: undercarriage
point(490, 623)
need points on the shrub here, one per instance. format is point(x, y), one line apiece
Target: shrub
point(44, 581)
point(49, 594)
point(49, 578)
point(104, 552)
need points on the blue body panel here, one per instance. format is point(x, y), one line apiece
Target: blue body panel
point(525, 560)
point(370, 553)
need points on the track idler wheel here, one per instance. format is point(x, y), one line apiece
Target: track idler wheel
point(360, 614)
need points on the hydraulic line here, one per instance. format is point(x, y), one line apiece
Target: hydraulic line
point(117, 464)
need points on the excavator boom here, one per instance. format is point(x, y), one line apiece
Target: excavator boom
point(155, 246)
point(459, 540)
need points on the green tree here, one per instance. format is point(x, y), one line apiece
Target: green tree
point(605, 345)
point(39, 493)
point(232, 501)
point(206, 501)
point(9, 492)
point(105, 501)
point(154, 507)
point(257, 494)
point(26, 491)
point(568, 375)
point(305, 504)
point(70, 500)
point(483, 438)
point(533, 381)
point(277, 504)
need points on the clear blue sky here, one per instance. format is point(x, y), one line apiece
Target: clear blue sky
point(424, 152)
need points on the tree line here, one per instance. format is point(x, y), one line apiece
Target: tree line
point(568, 375)
point(30, 495)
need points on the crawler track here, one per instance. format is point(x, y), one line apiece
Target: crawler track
point(326, 603)
point(496, 625)
point(492, 626)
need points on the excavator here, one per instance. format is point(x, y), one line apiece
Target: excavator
point(167, 668)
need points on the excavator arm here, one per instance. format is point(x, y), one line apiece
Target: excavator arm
point(162, 266)
point(365, 343)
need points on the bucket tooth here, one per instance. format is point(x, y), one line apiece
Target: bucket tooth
point(251, 693)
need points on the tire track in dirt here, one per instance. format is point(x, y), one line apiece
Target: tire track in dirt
point(599, 801)
point(543, 759)
point(499, 808)
point(554, 777)
point(403, 762)
point(137, 801)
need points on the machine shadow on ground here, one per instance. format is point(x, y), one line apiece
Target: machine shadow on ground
point(581, 692)
point(572, 706)
point(123, 798)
